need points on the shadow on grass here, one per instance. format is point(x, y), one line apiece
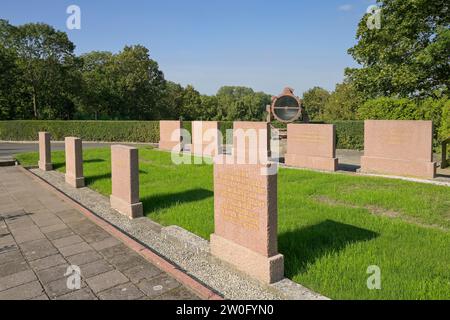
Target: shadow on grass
point(163, 201)
point(91, 179)
point(57, 165)
point(304, 246)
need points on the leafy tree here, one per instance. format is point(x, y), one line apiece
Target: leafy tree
point(138, 82)
point(343, 103)
point(48, 68)
point(408, 55)
point(314, 101)
point(191, 105)
point(97, 94)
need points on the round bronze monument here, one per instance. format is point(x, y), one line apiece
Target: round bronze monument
point(286, 107)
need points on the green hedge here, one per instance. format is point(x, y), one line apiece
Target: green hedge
point(126, 131)
point(350, 134)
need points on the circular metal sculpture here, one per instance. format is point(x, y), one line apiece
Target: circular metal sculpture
point(286, 107)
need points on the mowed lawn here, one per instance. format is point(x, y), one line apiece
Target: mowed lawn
point(332, 227)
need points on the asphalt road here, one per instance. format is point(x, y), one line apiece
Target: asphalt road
point(9, 149)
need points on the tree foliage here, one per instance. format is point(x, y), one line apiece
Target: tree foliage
point(409, 55)
point(314, 101)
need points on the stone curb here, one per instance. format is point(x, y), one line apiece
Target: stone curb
point(200, 289)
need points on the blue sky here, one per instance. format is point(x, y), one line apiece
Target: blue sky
point(266, 45)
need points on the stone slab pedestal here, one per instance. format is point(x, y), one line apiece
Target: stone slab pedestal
point(420, 169)
point(399, 147)
point(170, 136)
point(317, 163)
point(206, 138)
point(45, 153)
point(245, 219)
point(265, 269)
point(311, 146)
point(125, 181)
point(74, 162)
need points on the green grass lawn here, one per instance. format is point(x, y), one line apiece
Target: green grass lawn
point(331, 226)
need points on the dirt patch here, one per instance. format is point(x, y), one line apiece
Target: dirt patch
point(372, 209)
point(377, 211)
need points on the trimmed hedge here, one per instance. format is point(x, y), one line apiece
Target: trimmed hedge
point(125, 131)
point(349, 134)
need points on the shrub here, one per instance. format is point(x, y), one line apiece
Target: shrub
point(125, 131)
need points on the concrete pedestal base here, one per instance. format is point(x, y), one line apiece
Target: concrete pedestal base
point(75, 182)
point(420, 169)
point(45, 166)
point(319, 163)
point(265, 269)
point(134, 210)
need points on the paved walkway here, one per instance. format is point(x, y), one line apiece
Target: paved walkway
point(41, 236)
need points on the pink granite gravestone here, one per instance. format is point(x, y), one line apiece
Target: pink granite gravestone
point(245, 219)
point(311, 146)
point(125, 181)
point(74, 162)
point(45, 153)
point(206, 138)
point(251, 140)
point(398, 147)
point(170, 135)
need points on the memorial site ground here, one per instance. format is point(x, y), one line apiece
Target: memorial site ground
point(331, 227)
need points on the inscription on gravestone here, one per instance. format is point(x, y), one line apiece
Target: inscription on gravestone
point(245, 219)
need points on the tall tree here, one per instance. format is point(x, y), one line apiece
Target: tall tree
point(48, 68)
point(343, 103)
point(409, 54)
point(314, 101)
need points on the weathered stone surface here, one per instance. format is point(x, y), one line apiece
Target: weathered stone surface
point(106, 280)
point(170, 136)
point(127, 291)
point(311, 146)
point(45, 153)
point(74, 162)
point(245, 220)
point(125, 181)
point(251, 142)
point(399, 147)
point(206, 138)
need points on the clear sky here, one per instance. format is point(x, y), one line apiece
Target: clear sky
point(262, 44)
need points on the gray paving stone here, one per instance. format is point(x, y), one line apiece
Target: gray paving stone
point(8, 248)
point(47, 262)
point(53, 235)
point(37, 249)
point(33, 234)
point(55, 227)
point(96, 236)
point(59, 287)
point(26, 291)
point(158, 285)
point(82, 294)
point(67, 241)
point(9, 268)
point(16, 279)
point(106, 280)
point(84, 258)
point(143, 271)
point(178, 294)
point(41, 297)
point(75, 249)
point(114, 251)
point(94, 268)
point(6, 240)
point(51, 274)
point(11, 256)
point(48, 222)
point(105, 243)
point(126, 291)
point(127, 261)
